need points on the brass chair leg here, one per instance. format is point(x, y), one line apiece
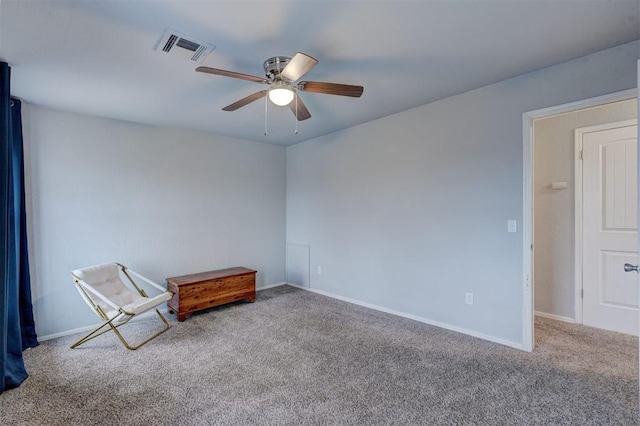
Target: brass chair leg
point(90, 336)
point(133, 348)
point(114, 328)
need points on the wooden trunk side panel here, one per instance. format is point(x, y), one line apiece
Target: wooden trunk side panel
point(174, 302)
point(210, 291)
point(191, 306)
point(202, 295)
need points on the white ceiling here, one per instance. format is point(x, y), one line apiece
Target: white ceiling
point(96, 57)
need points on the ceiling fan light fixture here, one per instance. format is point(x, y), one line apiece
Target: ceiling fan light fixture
point(281, 94)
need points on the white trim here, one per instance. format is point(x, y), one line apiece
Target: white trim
point(509, 343)
point(66, 333)
point(148, 313)
point(527, 234)
point(583, 104)
point(578, 207)
point(577, 249)
point(91, 327)
point(528, 338)
point(608, 126)
point(264, 287)
point(555, 317)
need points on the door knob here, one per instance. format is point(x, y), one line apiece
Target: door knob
point(629, 267)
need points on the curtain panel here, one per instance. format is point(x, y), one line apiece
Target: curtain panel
point(17, 328)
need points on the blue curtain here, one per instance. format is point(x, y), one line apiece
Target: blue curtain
point(17, 329)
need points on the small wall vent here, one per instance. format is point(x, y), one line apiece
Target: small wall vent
point(183, 46)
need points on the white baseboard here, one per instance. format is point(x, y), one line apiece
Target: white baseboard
point(66, 333)
point(264, 287)
point(163, 311)
point(555, 317)
point(91, 327)
point(516, 345)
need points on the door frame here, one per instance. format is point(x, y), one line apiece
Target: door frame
point(528, 248)
point(578, 208)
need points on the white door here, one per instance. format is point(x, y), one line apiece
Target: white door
point(610, 227)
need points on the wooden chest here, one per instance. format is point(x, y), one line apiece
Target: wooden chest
point(204, 290)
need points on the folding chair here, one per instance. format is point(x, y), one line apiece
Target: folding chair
point(103, 290)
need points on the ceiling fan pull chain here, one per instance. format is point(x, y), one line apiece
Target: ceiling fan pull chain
point(266, 105)
point(296, 117)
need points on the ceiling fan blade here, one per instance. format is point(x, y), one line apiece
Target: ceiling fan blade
point(245, 101)
point(331, 88)
point(300, 111)
point(233, 74)
point(299, 65)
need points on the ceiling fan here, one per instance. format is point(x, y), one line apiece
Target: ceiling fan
point(281, 73)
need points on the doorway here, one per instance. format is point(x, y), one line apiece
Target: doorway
point(549, 264)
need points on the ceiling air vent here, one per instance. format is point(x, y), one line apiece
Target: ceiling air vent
point(183, 46)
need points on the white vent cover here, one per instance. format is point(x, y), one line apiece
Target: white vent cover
point(183, 46)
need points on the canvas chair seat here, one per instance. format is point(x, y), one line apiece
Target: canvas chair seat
point(102, 288)
point(143, 304)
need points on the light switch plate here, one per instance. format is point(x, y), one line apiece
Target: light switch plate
point(512, 226)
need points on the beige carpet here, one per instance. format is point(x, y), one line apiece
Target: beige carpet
point(295, 357)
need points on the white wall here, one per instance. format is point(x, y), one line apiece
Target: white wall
point(554, 210)
point(162, 201)
point(409, 212)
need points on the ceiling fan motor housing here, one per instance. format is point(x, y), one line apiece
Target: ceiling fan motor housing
point(274, 66)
